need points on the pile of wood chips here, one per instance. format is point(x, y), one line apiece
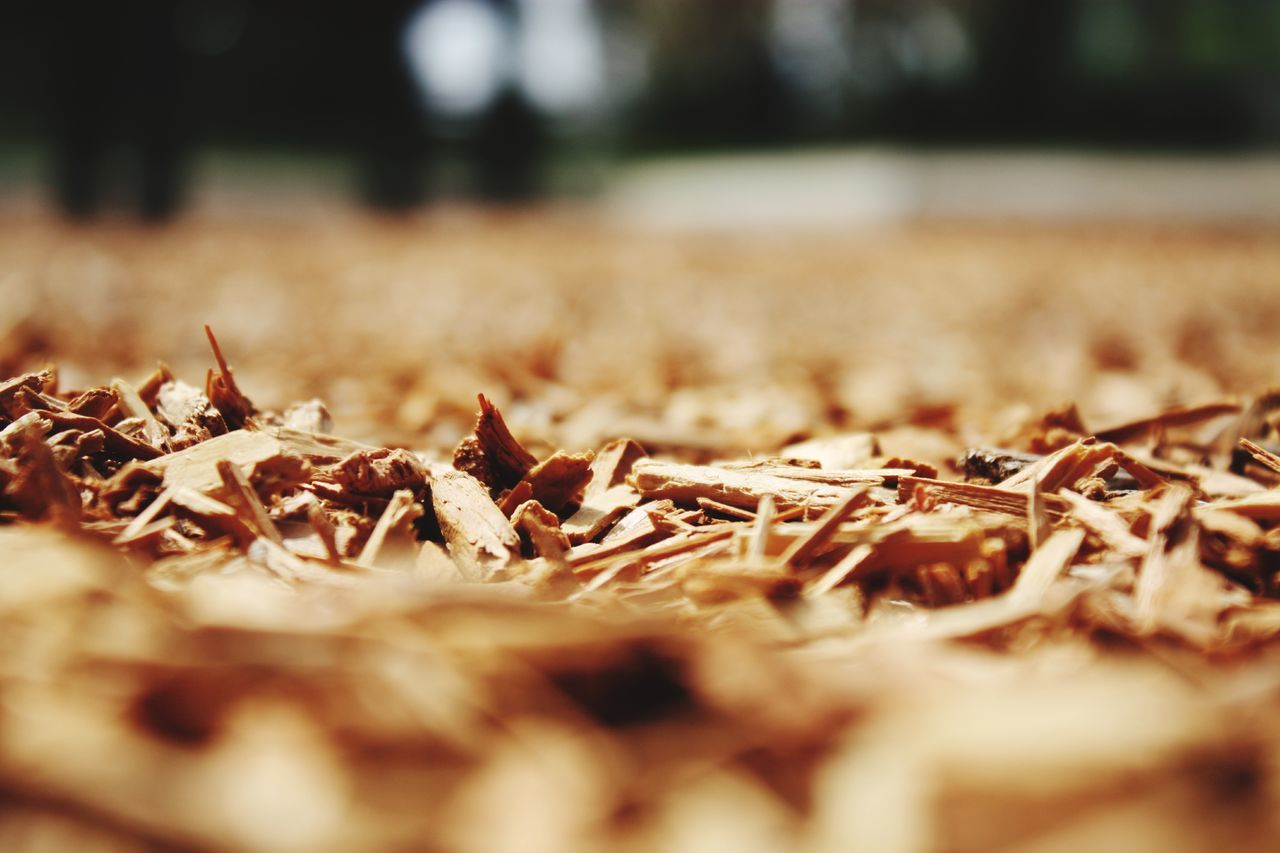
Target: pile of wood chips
point(226, 628)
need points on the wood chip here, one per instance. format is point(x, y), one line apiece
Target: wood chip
point(214, 516)
point(400, 509)
point(323, 527)
point(607, 495)
point(988, 498)
point(836, 452)
point(743, 489)
point(17, 392)
point(197, 467)
point(133, 406)
point(116, 443)
point(1047, 563)
point(1175, 417)
point(806, 548)
point(763, 521)
point(638, 527)
point(379, 473)
point(188, 412)
point(1105, 523)
point(840, 572)
point(493, 455)
point(222, 391)
point(479, 536)
point(558, 480)
point(541, 527)
point(38, 488)
point(1261, 454)
point(316, 447)
point(238, 488)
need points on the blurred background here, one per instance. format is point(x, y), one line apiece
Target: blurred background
point(150, 107)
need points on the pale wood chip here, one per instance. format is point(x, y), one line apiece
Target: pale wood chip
point(400, 509)
point(687, 483)
point(147, 534)
point(1261, 454)
point(131, 403)
point(761, 528)
point(1038, 524)
point(541, 526)
point(988, 498)
point(309, 416)
point(1105, 523)
point(435, 566)
point(186, 409)
point(148, 515)
point(324, 529)
point(316, 447)
point(1178, 416)
point(212, 515)
point(479, 536)
point(1174, 592)
point(197, 466)
point(1046, 565)
point(840, 572)
point(806, 548)
point(236, 486)
point(836, 452)
point(607, 495)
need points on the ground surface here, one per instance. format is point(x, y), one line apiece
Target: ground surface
point(227, 703)
point(397, 323)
